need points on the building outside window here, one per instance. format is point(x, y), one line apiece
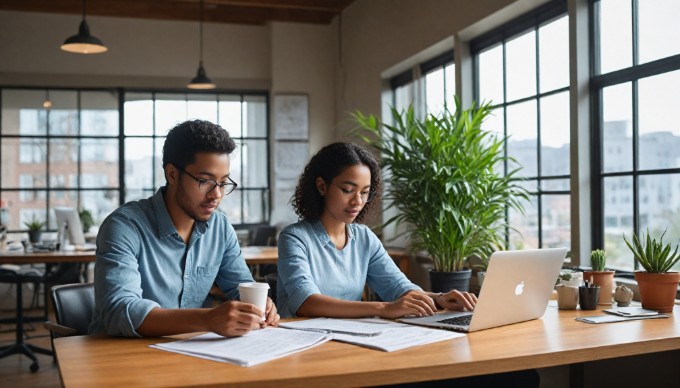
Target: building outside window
point(70, 154)
point(522, 70)
point(635, 89)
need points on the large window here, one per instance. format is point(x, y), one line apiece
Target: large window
point(433, 87)
point(78, 153)
point(522, 69)
point(635, 88)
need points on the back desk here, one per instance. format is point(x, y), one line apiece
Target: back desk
point(555, 339)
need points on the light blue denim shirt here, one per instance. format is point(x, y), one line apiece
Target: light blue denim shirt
point(309, 264)
point(143, 263)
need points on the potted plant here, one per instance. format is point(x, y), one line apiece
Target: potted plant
point(601, 277)
point(34, 229)
point(570, 278)
point(442, 180)
point(657, 283)
point(86, 220)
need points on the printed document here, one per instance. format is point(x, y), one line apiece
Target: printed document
point(398, 338)
point(358, 327)
point(254, 348)
point(374, 333)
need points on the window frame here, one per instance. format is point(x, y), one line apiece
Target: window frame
point(120, 138)
point(598, 82)
point(531, 21)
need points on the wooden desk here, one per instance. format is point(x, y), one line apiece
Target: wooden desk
point(19, 257)
point(253, 255)
point(270, 255)
point(260, 255)
point(556, 339)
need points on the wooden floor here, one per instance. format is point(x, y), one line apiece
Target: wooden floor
point(14, 369)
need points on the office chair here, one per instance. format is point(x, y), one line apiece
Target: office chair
point(73, 308)
point(272, 280)
point(263, 235)
point(20, 277)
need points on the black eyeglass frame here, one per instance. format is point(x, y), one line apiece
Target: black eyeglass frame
point(226, 188)
point(369, 197)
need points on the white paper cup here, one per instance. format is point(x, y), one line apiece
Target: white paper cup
point(255, 294)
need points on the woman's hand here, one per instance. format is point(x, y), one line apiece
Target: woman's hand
point(457, 301)
point(413, 302)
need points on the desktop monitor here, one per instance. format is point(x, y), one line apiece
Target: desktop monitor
point(68, 221)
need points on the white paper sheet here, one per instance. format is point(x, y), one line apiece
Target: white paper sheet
point(357, 327)
point(398, 338)
point(254, 348)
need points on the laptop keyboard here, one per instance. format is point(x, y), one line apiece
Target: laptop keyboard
point(463, 320)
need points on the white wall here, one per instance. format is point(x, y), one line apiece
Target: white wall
point(379, 34)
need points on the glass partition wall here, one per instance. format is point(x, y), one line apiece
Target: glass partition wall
point(97, 149)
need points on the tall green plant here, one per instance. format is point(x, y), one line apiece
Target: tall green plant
point(443, 181)
point(654, 256)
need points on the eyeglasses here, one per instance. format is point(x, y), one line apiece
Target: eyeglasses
point(207, 185)
point(366, 196)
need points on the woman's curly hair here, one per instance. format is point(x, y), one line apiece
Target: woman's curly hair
point(328, 163)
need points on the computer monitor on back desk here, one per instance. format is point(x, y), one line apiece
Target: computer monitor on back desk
point(69, 226)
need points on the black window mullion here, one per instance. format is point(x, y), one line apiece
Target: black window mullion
point(121, 146)
point(538, 137)
point(243, 192)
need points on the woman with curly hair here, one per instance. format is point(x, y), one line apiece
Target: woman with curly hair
point(327, 257)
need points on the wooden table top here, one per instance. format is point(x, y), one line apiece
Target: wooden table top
point(253, 255)
point(19, 257)
point(555, 339)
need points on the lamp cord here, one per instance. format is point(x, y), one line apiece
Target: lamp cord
point(84, 7)
point(200, 33)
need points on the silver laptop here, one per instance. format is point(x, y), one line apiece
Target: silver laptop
point(516, 288)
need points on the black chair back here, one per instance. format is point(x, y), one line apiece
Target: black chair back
point(74, 305)
point(272, 280)
point(264, 235)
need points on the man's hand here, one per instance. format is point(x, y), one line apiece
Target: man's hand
point(233, 319)
point(272, 317)
point(411, 303)
point(457, 301)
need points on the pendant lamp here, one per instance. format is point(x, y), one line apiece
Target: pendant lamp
point(83, 42)
point(47, 104)
point(201, 81)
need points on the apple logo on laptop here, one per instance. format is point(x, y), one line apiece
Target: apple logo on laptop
point(519, 289)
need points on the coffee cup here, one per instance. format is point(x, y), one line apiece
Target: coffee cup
point(254, 293)
point(567, 297)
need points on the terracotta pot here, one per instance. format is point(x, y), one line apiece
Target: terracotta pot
point(658, 290)
point(604, 279)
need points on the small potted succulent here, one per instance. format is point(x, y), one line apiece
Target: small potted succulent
point(600, 276)
point(570, 278)
point(34, 229)
point(658, 284)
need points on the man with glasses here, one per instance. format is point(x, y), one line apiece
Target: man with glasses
point(158, 258)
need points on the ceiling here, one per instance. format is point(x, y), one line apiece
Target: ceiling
point(215, 11)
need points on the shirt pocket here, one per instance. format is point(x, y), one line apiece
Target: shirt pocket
point(205, 277)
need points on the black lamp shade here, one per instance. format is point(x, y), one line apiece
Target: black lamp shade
point(83, 43)
point(201, 81)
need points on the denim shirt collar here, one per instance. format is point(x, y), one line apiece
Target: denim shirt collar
point(322, 235)
point(165, 225)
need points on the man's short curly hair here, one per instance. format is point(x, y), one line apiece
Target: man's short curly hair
point(193, 136)
point(328, 163)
